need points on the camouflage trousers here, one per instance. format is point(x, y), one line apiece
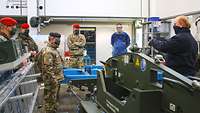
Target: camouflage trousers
point(76, 61)
point(51, 88)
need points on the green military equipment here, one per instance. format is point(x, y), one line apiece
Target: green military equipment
point(134, 83)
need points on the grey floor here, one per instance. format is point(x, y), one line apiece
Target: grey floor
point(68, 102)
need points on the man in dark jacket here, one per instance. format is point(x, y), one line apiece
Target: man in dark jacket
point(181, 49)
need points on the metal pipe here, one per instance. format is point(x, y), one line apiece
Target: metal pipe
point(48, 21)
point(194, 78)
point(28, 82)
point(178, 83)
point(185, 14)
point(31, 108)
point(21, 96)
point(91, 19)
point(133, 32)
point(45, 8)
point(38, 7)
point(33, 75)
point(94, 19)
point(149, 8)
point(99, 17)
point(21, 7)
point(141, 8)
point(11, 87)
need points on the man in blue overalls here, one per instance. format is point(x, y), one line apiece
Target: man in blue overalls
point(120, 41)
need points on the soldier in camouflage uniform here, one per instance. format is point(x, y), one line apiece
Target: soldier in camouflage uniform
point(26, 40)
point(52, 72)
point(7, 28)
point(76, 43)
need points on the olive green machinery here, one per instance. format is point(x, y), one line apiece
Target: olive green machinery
point(134, 83)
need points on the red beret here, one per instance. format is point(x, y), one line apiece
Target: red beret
point(8, 21)
point(67, 53)
point(25, 26)
point(76, 26)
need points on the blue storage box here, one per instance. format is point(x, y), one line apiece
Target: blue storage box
point(88, 72)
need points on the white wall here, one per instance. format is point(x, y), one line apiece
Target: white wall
point(100, 8)
point(4, 10)
point(13, 11)
point(166, 8)
point(103, 35)
point(107, 8)
point(111, 8)
point(145, 8)
point(32, 12)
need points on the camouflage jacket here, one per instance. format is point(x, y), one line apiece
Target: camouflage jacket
point(76, 44)
point(51, 63)
point(28, 41)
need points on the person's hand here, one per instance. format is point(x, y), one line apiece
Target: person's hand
point(24, 62)
point(33, 53)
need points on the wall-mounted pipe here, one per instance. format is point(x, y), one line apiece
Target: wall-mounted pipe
point(91, 19)
point(185, 14)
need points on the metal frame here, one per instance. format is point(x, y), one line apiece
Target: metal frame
point(141, 91)
point(20, 94)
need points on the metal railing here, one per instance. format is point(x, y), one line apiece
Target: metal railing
point(20, 94)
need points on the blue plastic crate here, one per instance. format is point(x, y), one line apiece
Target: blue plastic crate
point(90, 72)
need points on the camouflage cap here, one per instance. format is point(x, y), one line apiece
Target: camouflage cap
point(55, 34)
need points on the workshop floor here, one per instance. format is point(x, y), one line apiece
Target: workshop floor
point(68, 101)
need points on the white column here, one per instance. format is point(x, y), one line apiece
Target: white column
point(32, 12)
point(145, 8)
point(153, 6)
